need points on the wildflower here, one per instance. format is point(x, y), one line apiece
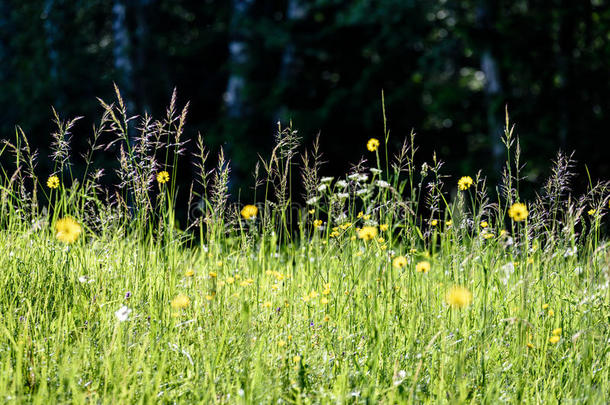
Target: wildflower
point(212, 274)
point(209, 297)
point(545, 306)
point(434, 222)
point(341, 184)
point(326, 318)
point(367, 233)
point(554, 339)
point(323, 300)
point(399, 262)
point(362, 191)
point(372, 144)
point(375, 171)
point(312, 201)
point(383, 227)
point(163, 177)
point(422, 267)
point(321, 187)
point(67, 230)
point(530, 345)
point(180, 302)
point(557, 331)
point(267, 304)
point(484, 224)
point(449, 223)
point(53, 182)
point(458, 297)
point(382, 184)
point(230, 280)
point(296, 359)
point(342, 195)
point(465, 182)
point(317, 223)
point(189, 273)
point(281, 343)
point(123, 313)
point(327, 179)
point(518, 212)
point(551, 312)
point(85, 279)
point(249, 211)
point(591, 212)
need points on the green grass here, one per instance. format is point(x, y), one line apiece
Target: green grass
point(283, 312)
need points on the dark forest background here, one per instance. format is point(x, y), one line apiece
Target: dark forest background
point(448, 69)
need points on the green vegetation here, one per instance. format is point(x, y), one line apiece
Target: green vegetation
point(392, 285)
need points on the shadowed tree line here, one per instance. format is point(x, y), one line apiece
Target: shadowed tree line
point(448, 69)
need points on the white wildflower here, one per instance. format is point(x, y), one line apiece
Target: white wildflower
point(375, 171)
point(123, 313)
point(353, 176)
point(382, 184)
point(312, 200)
point(570, 252)
point(342, 195)
point(322, 187)
point(341, 184)
point(85, 279)
point(362, 191)
point(326, 179)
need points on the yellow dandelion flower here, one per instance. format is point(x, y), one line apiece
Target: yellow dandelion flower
point(554, 339)
point(465, 182)
point(422, 267)
point(296, 359)
point(311, 211)
point(518, 212)
point(180, 302)
point(530, 345)
point(189, 273)
point(591, 212)
point(484, 224)
point(557, 331)
point(326, 318)
point(551, 312)
point(383, 227)
point(399, 262)
point(53, 182)
point(380, 240)
point(367, 233)
point(281, 343)
point(317, 223)
point(230, 280)
point(267, 304)
point(458, 297)
point(163, 177)
point(212, 274)
point(67, 230)
point(449, 222)
point(545, 306)
point(209, 297)
point(249, 211)
point(323, 300)
point(372, 144)
point(434, 222)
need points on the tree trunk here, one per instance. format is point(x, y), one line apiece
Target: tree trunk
point(121, 47)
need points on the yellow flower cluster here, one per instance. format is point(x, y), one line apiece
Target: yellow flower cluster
point(163, 177)
point(367, 233)
point(458, 297)
point(372, 144)
point(465, 182)
point(518, 212)
point(249, 211)
point(67, 230)
point(53, 182)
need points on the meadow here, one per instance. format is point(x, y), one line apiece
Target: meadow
point(396, 283)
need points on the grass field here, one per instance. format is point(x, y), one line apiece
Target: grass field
point(392, 284)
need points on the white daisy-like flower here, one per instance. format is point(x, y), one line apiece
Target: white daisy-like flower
point(382, 184)
point(362, 191)
point(354, 176)
point(375, 171)
point(326, 179)
point(343, 195)
point(321, 187)
point(123, 313)
point(363, 177)
point(341, 184)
